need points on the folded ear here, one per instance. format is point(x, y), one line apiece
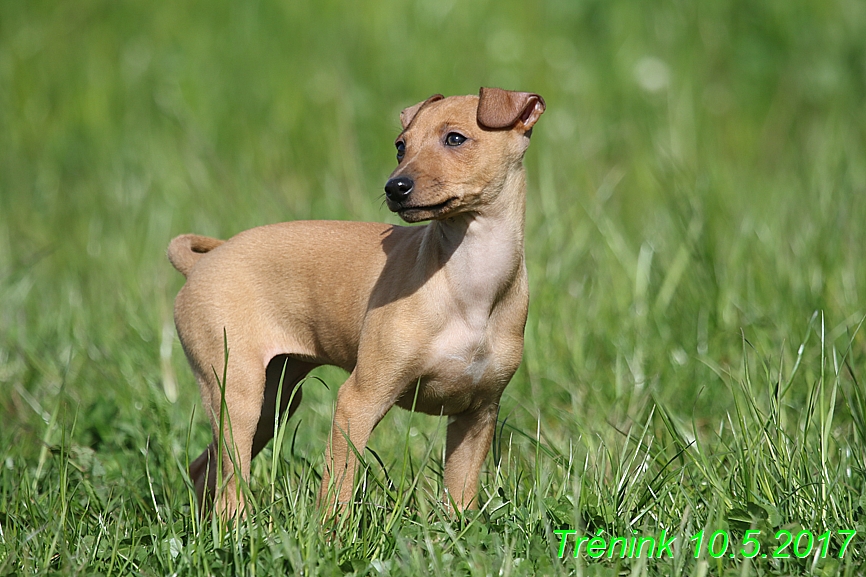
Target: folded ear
point(499, 109)
point(409, 113)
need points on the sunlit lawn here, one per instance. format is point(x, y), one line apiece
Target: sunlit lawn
point(694, 359)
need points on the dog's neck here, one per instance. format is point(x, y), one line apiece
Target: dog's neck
point(482, 251)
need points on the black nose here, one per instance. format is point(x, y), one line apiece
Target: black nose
point(398, 189)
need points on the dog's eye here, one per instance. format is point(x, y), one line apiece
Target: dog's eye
point(401, 150)
point(454, 139)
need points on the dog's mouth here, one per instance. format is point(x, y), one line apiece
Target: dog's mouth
point(425, 212)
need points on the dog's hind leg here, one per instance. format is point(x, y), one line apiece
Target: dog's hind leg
point(248, 424)
point(233, 407)
point(289, 372)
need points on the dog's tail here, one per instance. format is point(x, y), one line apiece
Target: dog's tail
point(185, 250)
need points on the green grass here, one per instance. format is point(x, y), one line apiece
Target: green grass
point(694, 352)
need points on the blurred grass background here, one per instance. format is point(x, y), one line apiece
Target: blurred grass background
point(697, 193)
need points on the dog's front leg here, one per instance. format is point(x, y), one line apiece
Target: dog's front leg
point(470, 435)
point(356, 415)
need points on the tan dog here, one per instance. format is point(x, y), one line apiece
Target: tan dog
point(438, 309)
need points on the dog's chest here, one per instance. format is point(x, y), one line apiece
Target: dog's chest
point(465, 366)
point(464, 352)
point(477, 347)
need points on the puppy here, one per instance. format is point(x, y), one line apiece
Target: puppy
point(428, 317)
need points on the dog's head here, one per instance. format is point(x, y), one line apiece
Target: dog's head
point(456, 154)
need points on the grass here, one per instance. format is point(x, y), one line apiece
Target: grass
point(694, 351)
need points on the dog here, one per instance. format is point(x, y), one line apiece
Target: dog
point(428, 317)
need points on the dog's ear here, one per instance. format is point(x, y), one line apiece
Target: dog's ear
point(498, 109)
point(409, 113)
